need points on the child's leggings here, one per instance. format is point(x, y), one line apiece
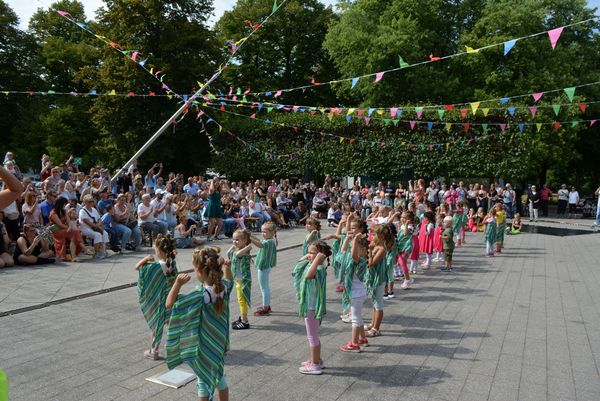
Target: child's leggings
point(312, 329)
point(489, 248)
point(241, 298)
point(402, 262)
point(356, 307)
point(263, 281)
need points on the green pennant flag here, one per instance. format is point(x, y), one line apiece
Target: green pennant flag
point(244, 99)
point(441, 113)
point(570, 93)
point(50, 92)
point(396, 122)
point(574, 123)
point(387, 121)
point(403, 64)
point(239, 91)
point(556, 108)
point(275, 6)
point(485, 128)
point(269, 109)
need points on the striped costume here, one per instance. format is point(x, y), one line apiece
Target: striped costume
point(335, 251)
point(199, 336)
point(490, 230)
point(375, 276)
point(240, 267)
point(316, 287)
point(390, 262)
point(266, 257)
point(309, 239)
point(359, 269)
point(500, 227)
point(153, 287)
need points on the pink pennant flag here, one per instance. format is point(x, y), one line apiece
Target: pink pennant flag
point(367, 120)
point(131, 94)
point(393, 111)
point(412, 124)
point(419, 114)
point(464, 113)
point(533, 110)
point(502, 127)
point(278, 93)
point(554, 34)
point(378, 76)
point(234, 98)
point(582, 107)
point(253, 116)
point(247, 91)
point(230, 91)
point(537, 96)
point(134, 55)
point(63, 13)
point(295, 108)
point(592, 122)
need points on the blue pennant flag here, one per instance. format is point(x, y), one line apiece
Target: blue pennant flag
point(511, 111)
point(354, 82)
point(521, 127)
point(504, 100)
point(509, 45)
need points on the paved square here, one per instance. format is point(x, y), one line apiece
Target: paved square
point(521, 326)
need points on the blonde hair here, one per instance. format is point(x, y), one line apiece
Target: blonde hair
point(314, 223)
point(269, 225)
point(383, 231)
point(244, 235)
point(210, 264)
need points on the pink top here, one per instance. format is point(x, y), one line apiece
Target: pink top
point(33, 217)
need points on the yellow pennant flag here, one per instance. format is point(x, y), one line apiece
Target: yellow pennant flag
point(322, 110)
point(330, 116)
point(447, 145)
point(350, 111)
point(112, 93)
point(485, 112)
point(471, 50)
point(342, 140)
point(474, 107)
point(380, 112)
point(220, 128)
point(169, 97)
point(538, 126)
point(448, 127)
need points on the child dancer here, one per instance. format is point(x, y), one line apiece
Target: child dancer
point(390, 262)
point(448, 238)
point(155, 278)
point(375, 276)
point(339, 236)
point(238, 256)
point(416, 251)
point(459, 221)
point(438, 244)
point(404, 244)
point(313, 226)
point(480, 220)
point(490, 232)
point(426, 237)
point(310, 280)
point(500, 227)
point(266, 259)
point(355, 267)
point(198, 333)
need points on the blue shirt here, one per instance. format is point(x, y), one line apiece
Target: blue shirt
point(45, 207)
point(102, 204)
point(107, 219)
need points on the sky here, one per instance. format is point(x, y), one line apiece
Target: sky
point(26, 8)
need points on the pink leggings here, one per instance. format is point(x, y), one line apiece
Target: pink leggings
point(312, 329)
point(401, 260)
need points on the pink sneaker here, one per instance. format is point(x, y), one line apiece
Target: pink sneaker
point(311, 369)
point(406, 284)
point(363, 342)
point(321, 364)
point(350, 347)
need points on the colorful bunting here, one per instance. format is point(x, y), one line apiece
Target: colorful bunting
point(474, 107)
point(378, 76)
point(403, 64)
point(570, 93)
point(533, 110)
point(556, 108)
point(537, 96)
point(354, 82)
point(508, 45)
point(554, 34)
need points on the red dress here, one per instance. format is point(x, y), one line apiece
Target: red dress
point(414, 255)
point(438, 244)
point(426, 239)
point(61, 236)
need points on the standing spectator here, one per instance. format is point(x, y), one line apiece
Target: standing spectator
point(432, 192)
point(597, 222)
point(472, 197)
point(573, 202)
point(563, 200)
point(508, 198)
point(11, 165)
point(545, 194)
point(6, 259)
point(534, 203)
point(152, 179)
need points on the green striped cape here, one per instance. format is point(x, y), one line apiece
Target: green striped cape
point(153, 287)
point(309, 239)
point(390, 262)
point(375, 276)
point(490, 232)
point(458, 221)
point(351, 268)
point(198, 336)
point(242, 265)
point(266, 257)
point(404, 242)
point(303, 286)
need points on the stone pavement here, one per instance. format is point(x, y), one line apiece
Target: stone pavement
point(521, 326)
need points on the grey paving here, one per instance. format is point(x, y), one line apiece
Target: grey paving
point(521, 326)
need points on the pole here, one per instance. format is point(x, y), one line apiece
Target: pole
point(163, 128)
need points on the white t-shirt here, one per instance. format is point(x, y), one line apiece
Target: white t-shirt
point(92, 216)
point(331, 214)
point(573, 197)
point(157, 204)
point(145, 209)
point(563, 194)
point(431, 194)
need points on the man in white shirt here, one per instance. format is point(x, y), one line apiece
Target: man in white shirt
point(191, 188)
point(432, 192)
point(573, 202)
point(146, 218)
point(158, 204)
point(92, 226)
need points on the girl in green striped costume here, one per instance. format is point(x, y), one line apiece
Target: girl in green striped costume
point(155, 278)
point(490, 232)
point(500, 226)
point(239, 258)
point(313, 226)
point(266, 259)
point(375, 276)
point(310, 279)
point(198, 333)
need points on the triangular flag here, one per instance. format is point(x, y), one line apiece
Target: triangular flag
point(403, 64)
point(511, 110)
point(278, 93)
point(429, 125)
point(556, 125)
point(412, 124)
point(538, 126)
point(275, 6)
point(253, 116)
point(360, 113)
point(367, 120)
point(393, 111)
point(533, 111)
point(449, 107)
point(350, 111)
point(570, 93)
point(537, 96)
point(348, 118)
point(464, 113)
point(474, 107)
point(504, 100)
point(592, 122)
point(556, 108)
point(574, 123)
point(485, 128)
point(485, 112)
point(521, 127)
point(582, 107)
point(502, 127)
point(467, 126)
point(370, 111)
point(448, 127)
point(112, 93)
point(419, 111)
point(378, 76)
point(509, 45)
point(471, 50)
point(441, 113)
point(354, 82)
point(380, 112)
point(554, 34)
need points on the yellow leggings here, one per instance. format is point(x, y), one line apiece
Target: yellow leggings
point(241, 299)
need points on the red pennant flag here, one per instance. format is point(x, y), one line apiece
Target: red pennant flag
point(433, 58)
point(247, 91)
point(253, 116)
point(582, 107)
point(222, 108)
point(449, 107)
point(464, 113)
point(152, 94)
point(313, 113)
point(360, 113)
point(467, 126)
point(556, 125)
point(253, 26)
point(314, 82)
point(131, 94)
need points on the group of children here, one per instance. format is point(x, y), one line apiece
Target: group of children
point(367, 257)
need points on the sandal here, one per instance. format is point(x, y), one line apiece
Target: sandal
point(373, 333)
point(367, 327)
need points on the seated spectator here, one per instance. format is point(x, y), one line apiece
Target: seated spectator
point(109, 222)
point(146, 217)
point(302, 213)
point(184, 236)
point(91, 226)
point(32, 248)
point(47, 205)
point(6, 259)
point(32, 214)
point(126, 225)
point(64, 228)
point(104, 201)
point(331, 217)
point(170, 210)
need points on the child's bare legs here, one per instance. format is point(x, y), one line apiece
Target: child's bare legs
point(223, 395)
point(378, 318)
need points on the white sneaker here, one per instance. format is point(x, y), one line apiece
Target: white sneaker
point(391, 295)
point(347, 319)
point(221, 237)
point(407, 283)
